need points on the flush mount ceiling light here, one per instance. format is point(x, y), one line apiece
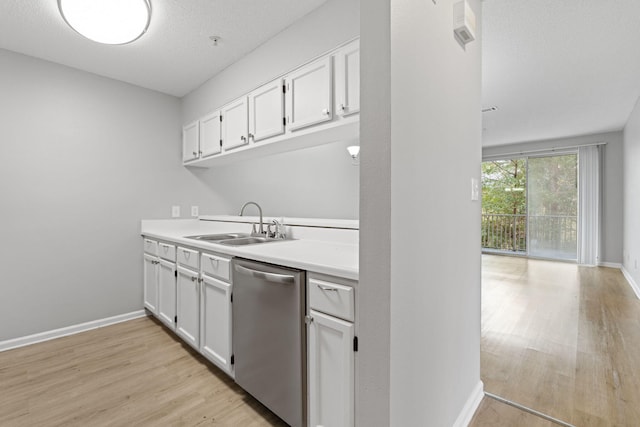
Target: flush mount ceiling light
point(107, 21)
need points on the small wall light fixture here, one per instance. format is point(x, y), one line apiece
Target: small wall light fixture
point(354, 152)
point(107, 21)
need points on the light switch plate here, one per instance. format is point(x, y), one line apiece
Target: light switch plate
point(194, 211)
point(475, 189)
point(175, 211)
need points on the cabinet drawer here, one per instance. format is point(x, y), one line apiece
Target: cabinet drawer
point(188, 258)
point(215, 266)
point(167, 252)
point(332, 298)
point(151, 247)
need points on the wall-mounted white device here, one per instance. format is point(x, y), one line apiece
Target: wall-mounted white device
point(464, 22)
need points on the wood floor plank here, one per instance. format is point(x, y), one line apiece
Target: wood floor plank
point(492, 413)
point(132, 373)
point(561, 339)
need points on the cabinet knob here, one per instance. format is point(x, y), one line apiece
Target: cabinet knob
point(326, 112)
point(308, 319)
point(243, 138)
point(343, 108)
point(251, 136)
point(195, 153)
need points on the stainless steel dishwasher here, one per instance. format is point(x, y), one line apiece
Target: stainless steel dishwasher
point(269, 337)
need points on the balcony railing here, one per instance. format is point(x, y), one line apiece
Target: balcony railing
point(504, 232)
point(547, 234)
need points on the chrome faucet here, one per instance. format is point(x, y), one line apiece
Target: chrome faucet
point(261, 230)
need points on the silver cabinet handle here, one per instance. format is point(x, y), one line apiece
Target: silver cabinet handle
point(342, 107)
point(243, 138)
point(251, 136)
point(327, 288)
point(326, 112)
point(195, 153)
point(308, 319)
point(194, 279)
point(270, 277)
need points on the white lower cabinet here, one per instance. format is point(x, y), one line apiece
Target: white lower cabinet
point(331, 371)
point(167, 293)
point(188, 306)
point(151, 263)
point(331, 347)
point(215, 328)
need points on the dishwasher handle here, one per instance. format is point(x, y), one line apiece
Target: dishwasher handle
point(270, 277)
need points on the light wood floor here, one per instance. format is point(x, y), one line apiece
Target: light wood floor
point(130, 374)
point(561, 339)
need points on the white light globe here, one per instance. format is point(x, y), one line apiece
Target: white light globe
point(107, 21)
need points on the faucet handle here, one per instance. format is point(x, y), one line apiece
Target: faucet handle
point(279, 229)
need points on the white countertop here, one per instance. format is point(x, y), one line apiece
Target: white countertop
point(332, 252)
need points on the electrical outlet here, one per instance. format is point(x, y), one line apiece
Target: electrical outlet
point(194, 211)
point(175, 211)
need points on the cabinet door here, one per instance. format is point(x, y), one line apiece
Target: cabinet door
point(191, 142)
point(266, 111)
point(188, 306)
point(167, 293)
point(234, 124)
point(151, 283)
point(347, 65)
point(331, 372)
point(215, 329)
point(210, 134)
point(309, 97)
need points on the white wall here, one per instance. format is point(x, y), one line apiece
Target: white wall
point(631, 244)
point(435, 150)
point(373, 376)
point(82, 160)
point(315, 182)
point(611, 238)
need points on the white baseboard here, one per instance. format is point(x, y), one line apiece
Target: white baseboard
point(471, 406)
point(611, 265)
point(632, 282)
point(69, 330)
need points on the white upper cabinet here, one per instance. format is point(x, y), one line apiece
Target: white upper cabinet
point(347, 79)
point(266, 111)
point(309, 99)
point(314, 104)
point(191, 142)
point(234, 124)
point(210, 135)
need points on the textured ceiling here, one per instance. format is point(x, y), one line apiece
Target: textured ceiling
point(174, 57)
point(558, 68)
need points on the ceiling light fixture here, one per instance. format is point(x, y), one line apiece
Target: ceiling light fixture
point(107, 21)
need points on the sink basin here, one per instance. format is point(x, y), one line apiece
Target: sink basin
point(241, 241)
point(234, 239)
point(218, 237)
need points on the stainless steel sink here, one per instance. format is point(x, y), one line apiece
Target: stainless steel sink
point(241, 241)
point(234, 239)
point(218, 237)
